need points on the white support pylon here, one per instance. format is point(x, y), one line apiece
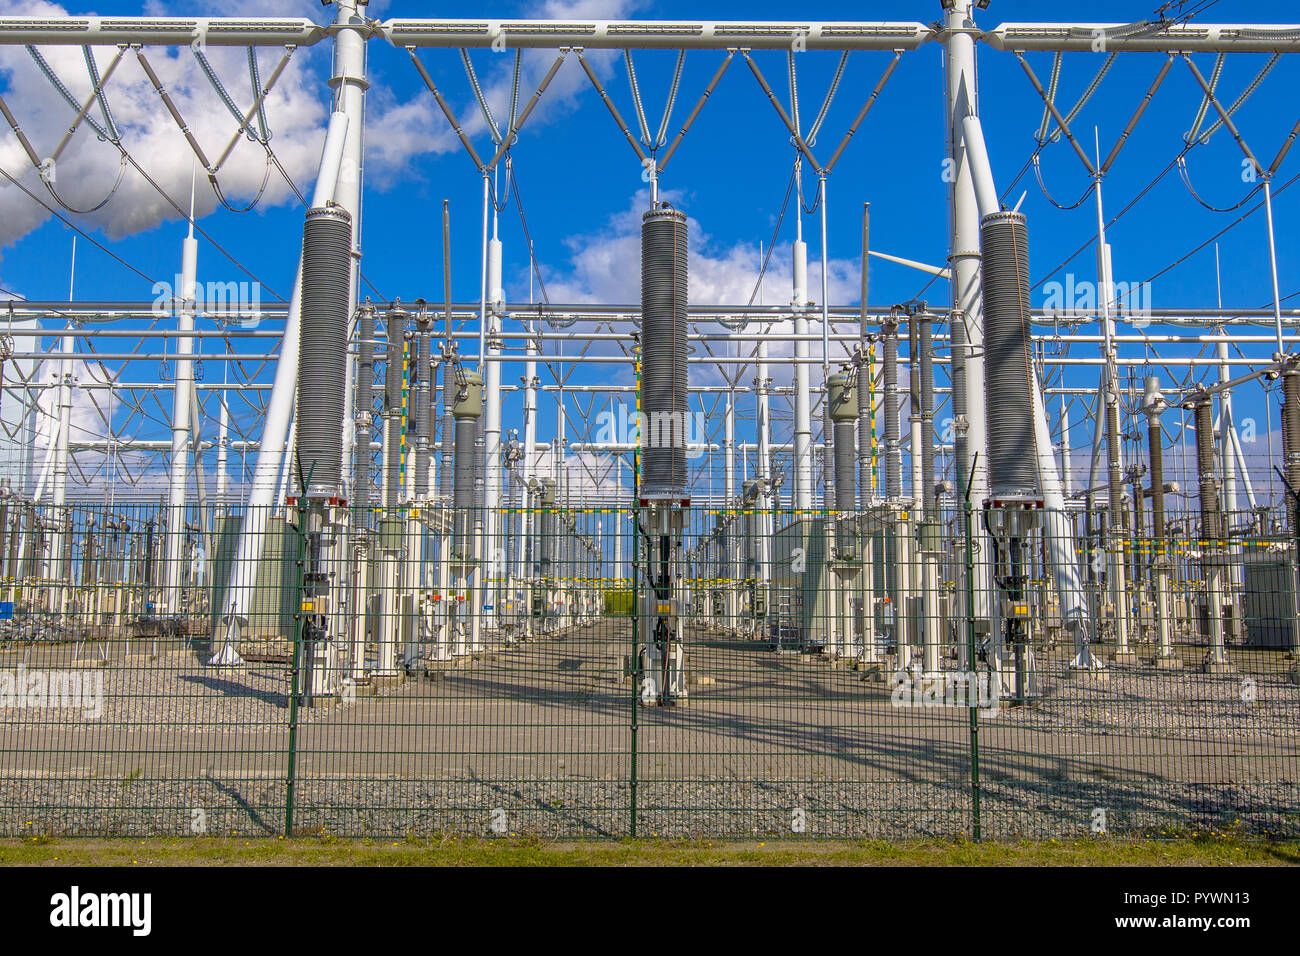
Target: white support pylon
point(966, 265)
point(182, 390)
point(338, 180)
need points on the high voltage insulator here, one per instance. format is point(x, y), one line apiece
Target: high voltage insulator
point(365, 382)
point(467, 409)
point(663, 352)
point(393, 408)
point(326, 266)
point(843, 403)
point(1291, 435)
point(893, 455)
point(424, 402)
point(1211, 514)
point(1008, 383)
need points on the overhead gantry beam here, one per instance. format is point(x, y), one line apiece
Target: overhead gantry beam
point(648, 34)
point(160, 31)
point(1145, 37)
point(661, 34)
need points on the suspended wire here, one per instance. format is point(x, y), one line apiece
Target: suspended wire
point(221, 197)
point(1038, 174)
point(197, 228)
point(1133, 202)
point(127, 157)
point(67, 222)
point(1185, 176)
point(798, 168)
point(532, 259)
point(785, 203)
point(107, 133)
point(121, 172)
point(1240, 219)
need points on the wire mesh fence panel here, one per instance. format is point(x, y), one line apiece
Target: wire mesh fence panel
point(571, 671)
point(1184, 717)
point(480, 696)
point(790, 717)
point(113, 720)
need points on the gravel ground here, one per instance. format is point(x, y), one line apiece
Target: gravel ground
point(581, 808)
point(762, 737)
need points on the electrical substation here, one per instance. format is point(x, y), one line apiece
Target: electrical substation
point(468, 561)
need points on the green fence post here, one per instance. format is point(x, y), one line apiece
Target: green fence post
point(634, 671)
point(296, 659)
point(971, 696)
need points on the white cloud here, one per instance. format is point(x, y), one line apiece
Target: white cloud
point(603, 267)
point(399, 131)
point(88, 168)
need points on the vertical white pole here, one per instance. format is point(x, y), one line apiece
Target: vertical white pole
point(223, 449)
point(338, 179)
point(763, 425)
point(965, 263)
point(492, 304)
point(802, 399)
point(1272, 262)
point(182, 390)
point(1117, 567)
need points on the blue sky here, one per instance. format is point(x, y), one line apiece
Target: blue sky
point(579, 181)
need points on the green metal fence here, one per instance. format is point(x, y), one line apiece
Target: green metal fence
point(826, 675)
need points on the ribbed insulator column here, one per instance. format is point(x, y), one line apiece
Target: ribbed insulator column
point(467, 410)
point(480, 458)
point(447, 457)
point(393, 412)
point(1156, 457)
point(1114, 478)
point(829, 499)
point(545, 534)
point(663, 352)
point(89, 554)
point(845, 462)
point(365, 392)
point(1291, 435)
point(1203, 419)
point(1008, 380)
point(893, 454)
point(842, 411)
point(925, 337)
point(865, 426)
point(322, 368)
point(423, 405)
